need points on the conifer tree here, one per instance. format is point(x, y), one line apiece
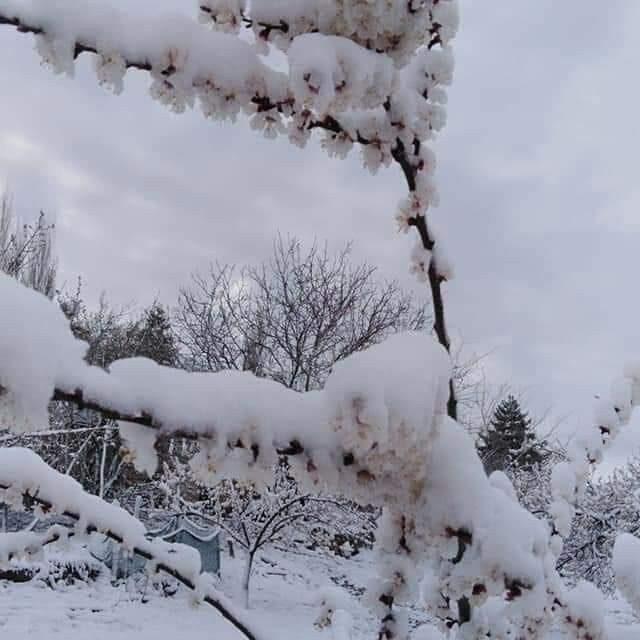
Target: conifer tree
point(510, 440)
point(155, 339)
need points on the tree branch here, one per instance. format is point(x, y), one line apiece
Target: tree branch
point(329, 123)
point(211, 600)
point(80, 47)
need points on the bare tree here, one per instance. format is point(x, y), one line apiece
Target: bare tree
point(26, 250)
point(292, 317)
point(280, 514)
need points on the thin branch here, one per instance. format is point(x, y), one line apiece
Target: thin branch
point(53, 432)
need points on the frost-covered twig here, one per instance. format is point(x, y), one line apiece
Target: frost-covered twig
point(52, 433)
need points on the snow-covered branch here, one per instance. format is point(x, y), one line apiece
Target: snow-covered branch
point(370, 74)
point(165, 46)
point(568, 479)
point(580, 609)
point(327, 73)
point(397, 28)
point(26, 480)
point(230, 409)
point(376, 433)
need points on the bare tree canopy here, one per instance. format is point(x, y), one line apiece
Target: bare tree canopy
point(291, 317)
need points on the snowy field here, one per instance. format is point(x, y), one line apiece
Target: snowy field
point(284, 594)
point(284, 601)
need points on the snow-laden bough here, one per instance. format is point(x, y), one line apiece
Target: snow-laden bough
point(366, 73)
point(378, 433)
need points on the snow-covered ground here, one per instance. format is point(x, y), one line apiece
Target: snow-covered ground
point(284, 597)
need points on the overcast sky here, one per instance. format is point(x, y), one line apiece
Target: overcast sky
point(538, 171)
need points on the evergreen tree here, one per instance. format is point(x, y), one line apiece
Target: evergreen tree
point(154, 336)
point(510, 441)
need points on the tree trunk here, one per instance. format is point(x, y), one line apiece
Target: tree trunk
point(247, 577)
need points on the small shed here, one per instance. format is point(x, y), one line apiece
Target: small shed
point(179, 529)
point(121, 562)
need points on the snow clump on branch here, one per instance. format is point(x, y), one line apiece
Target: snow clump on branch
point(366, 72)
point(37, 351)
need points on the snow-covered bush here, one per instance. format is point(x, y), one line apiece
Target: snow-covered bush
point(68, 568)
point(610, 507)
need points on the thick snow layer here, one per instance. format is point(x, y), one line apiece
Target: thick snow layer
point(586, 615)
point(102, 612)
point(500, 480)
point(508, 543)
point(386, 416)
point(139, 446)
point(24, 472)
point(626, 566)
point(380, 406)
point(37, 352)
point(159, 42)
point(332, 74)
point(283, 604)
point(18, 543)
point(393, 26)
